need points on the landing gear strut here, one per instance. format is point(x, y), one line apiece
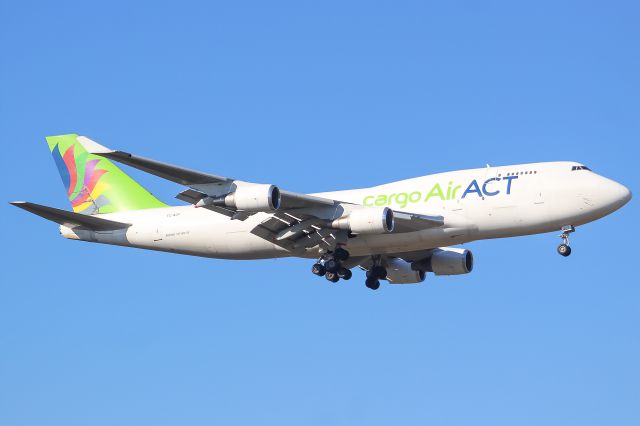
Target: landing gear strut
point(330, 266)
point(564, 249)
point(340, 254)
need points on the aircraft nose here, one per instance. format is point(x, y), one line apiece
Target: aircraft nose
point(624, 194)
point(618, 194)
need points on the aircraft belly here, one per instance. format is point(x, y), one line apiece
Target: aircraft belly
point(525, 213)
point(191, 231)
point(244, 245)
point(205, 233)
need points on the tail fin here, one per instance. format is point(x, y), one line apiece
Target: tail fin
point(93, 183)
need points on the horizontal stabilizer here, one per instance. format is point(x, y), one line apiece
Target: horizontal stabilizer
point(70, 219)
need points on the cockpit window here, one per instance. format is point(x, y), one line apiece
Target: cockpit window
point(574, 168)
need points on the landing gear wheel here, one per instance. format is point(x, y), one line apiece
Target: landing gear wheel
point(332, 265)
point(345, 274)
point(318, 269)
point(332, 276)
point(372, 283)
point(379, 272)
point(564, 250)
point(340, 254)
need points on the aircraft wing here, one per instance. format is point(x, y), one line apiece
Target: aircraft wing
point(192, 178)
point(299, 222)
point(294, 230)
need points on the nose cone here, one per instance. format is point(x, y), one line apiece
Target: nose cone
point(584, 196)
point(617, 195)
point(625, 194)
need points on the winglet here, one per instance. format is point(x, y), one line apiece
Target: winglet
point(93, 147)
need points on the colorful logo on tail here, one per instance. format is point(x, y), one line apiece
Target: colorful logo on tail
point(93, 183)
point(82, 179)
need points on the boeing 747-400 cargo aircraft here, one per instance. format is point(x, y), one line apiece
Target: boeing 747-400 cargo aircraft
point(396, 232)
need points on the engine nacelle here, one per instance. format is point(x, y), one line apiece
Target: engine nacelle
point(400, 272)
point(250, 197)
point(254, 198)
point(366, 220)
point(447, 261)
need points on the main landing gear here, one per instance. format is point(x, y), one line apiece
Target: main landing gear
point(564, 249)
point(330, 265)
point(374, 275)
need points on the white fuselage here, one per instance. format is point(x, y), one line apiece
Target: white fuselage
point(492, 202)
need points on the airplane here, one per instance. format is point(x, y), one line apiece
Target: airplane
point(396, 232)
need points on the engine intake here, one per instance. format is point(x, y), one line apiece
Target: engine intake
point(366, 220)
point(447, 261)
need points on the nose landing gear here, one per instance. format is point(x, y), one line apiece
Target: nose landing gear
point(564, 249)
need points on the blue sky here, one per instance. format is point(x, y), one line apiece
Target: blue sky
point(315, 96)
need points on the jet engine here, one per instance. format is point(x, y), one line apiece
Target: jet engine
point(446, 261)
point(247, 197)
point(400, 272)
point(366, 220)
point(254, 197)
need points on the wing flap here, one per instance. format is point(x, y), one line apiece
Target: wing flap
point(298, 232)
point(191, 196)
